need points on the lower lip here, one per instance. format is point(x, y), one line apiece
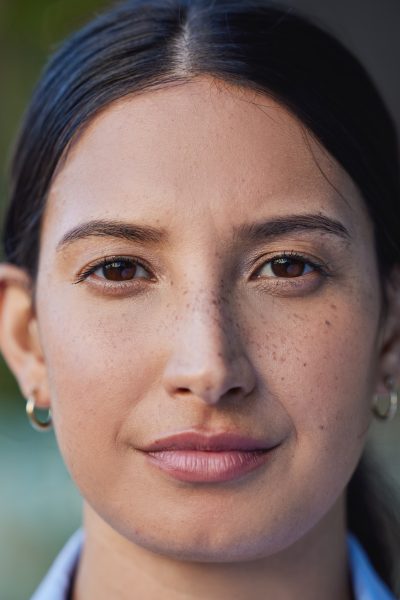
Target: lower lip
point(197, 466)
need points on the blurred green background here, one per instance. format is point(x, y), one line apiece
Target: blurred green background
point(39, 506)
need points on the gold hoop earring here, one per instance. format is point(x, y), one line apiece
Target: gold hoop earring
point(36, 423)
point(391, 401)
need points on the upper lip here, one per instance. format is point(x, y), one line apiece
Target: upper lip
point(217, 442)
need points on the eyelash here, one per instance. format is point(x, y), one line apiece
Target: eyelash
point(90, 270)
point(292, 255)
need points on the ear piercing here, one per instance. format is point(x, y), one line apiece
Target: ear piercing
point(37, 423)
point(385, 406)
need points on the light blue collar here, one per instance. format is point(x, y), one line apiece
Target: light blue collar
point(56, 584)
point(366, 583)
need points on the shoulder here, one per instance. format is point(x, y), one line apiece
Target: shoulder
point(57, 582)
point(366, 583)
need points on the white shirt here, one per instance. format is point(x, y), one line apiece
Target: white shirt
point(366, 583)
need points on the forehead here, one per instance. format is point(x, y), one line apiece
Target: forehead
point(203, 147)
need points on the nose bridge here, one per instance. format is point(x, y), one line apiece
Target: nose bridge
point(207, 357)
point(207, 325)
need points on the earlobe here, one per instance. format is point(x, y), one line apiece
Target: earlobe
point(19, 338)
point(389, 351)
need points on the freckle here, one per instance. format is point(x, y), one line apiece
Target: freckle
point(333, 306)
point(304, 364)
point(282, 379)
point(327, 322)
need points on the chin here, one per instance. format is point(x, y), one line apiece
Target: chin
point(205, 543)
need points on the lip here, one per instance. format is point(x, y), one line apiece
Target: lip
point(208, 458)
point(215, 442)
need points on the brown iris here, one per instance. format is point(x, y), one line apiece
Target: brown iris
point(288, 267)
point(120, 270)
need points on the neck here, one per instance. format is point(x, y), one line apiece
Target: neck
point(113, 567)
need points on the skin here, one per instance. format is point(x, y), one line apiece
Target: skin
point(206, 338)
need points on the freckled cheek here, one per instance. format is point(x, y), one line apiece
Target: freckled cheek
point(320, 364)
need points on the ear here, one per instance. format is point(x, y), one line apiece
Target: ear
point(389, 352)
point(19, 335)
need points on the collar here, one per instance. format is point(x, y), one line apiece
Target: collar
point(57, 583)
point(366, 583)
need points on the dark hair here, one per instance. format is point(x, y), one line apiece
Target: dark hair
point(252, 43)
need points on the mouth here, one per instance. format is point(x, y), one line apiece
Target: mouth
point(198, 458)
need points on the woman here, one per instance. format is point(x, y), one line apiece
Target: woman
point(202, 288)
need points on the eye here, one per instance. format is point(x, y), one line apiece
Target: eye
point(117, 269)
point(284, 266)
point(121, 270)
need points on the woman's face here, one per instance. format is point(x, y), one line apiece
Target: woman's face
point(253, 309)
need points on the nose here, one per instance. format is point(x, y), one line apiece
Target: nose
point(208, 359)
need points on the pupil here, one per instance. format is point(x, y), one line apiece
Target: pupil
point(119, 271)
point(285, 267)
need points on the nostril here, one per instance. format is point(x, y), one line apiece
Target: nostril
point(183, 390)
point(235, 391)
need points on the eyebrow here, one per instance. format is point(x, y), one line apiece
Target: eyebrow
point(281, 226)
point(115, 229)
point(272, 228)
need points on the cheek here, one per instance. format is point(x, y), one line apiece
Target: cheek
point(320, 361)
point(101, 361)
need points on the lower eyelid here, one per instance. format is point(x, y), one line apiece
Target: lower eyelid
point(123, 289)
